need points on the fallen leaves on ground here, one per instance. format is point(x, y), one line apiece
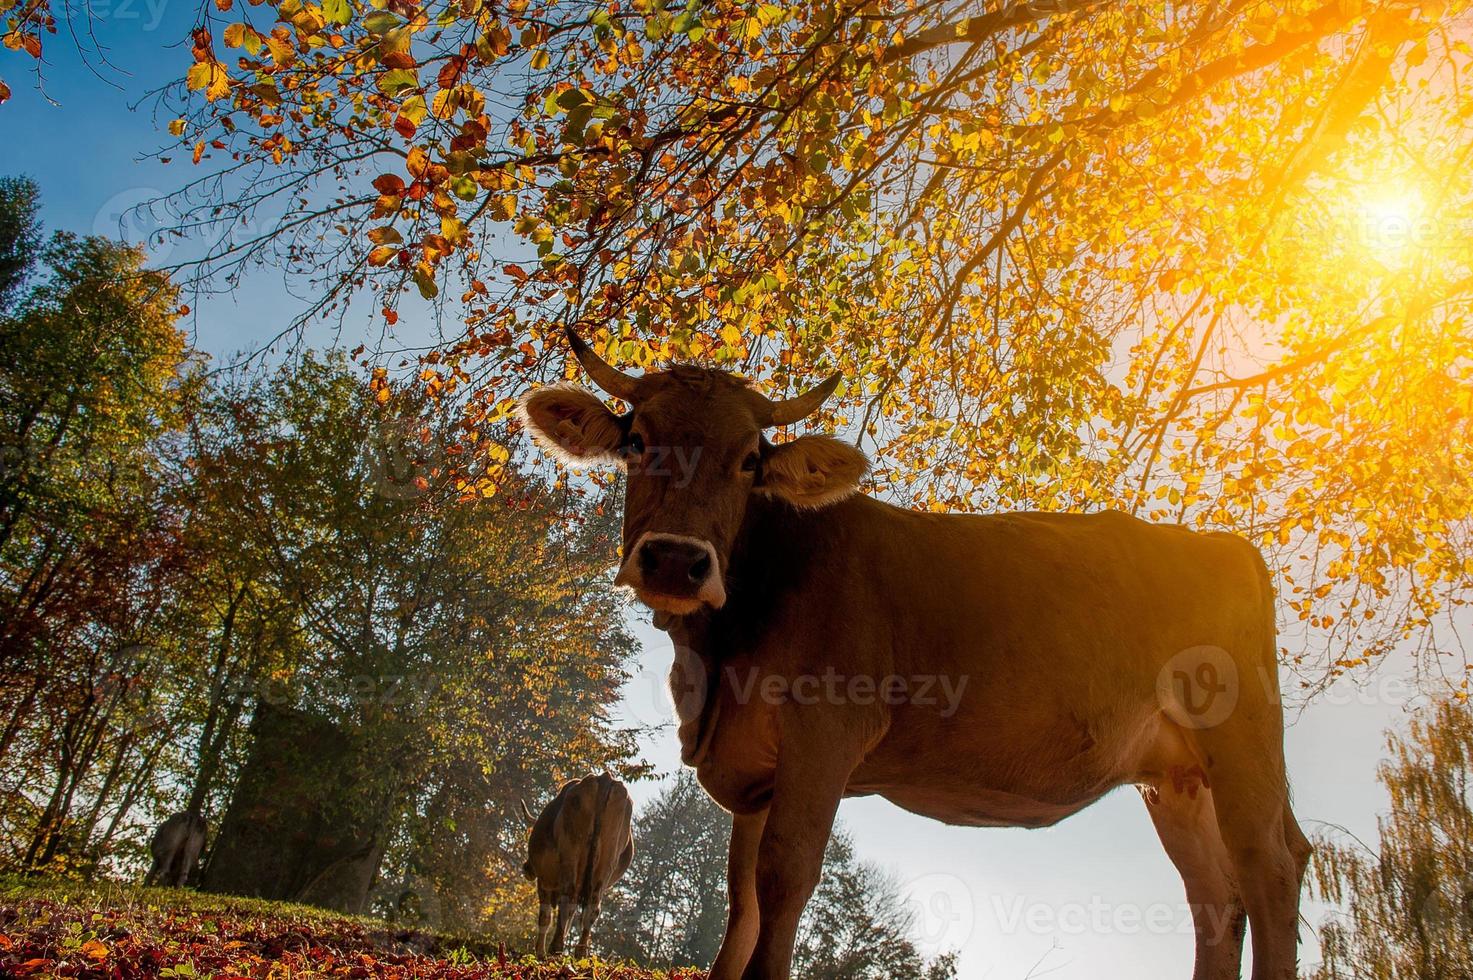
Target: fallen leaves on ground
point(154, 933)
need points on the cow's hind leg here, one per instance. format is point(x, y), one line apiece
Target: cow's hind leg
point(545, 899)
point(1187, 825)
point(585, 929)
point(565, 907)
point(1250, 795)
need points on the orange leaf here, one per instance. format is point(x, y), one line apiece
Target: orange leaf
point(388, 184)
point(418, 161)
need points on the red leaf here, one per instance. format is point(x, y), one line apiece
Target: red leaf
point(389, 184)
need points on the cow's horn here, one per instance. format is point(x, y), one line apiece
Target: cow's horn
point(604, 374)
point(790, 410)
point(527, 814)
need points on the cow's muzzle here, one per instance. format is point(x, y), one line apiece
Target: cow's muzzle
point(673, 573)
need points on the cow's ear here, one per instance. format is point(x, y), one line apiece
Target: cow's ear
point(572, 424)
point(812, 471)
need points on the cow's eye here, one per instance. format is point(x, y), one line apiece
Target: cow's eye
point(749, 465)
point(634, 448)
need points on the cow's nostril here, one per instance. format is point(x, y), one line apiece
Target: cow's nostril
point(700, 568)
point(649, 560)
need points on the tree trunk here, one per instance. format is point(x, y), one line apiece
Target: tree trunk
point(308, 819)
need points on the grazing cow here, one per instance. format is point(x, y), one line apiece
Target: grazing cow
point(999, 670)
point(579, 847)
point(175, 847)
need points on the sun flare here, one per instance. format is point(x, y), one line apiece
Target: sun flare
point(1392, 223)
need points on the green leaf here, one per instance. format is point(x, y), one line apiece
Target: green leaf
point(391, 83)
point(573, 98)
point(337, 11)
point(380, 22)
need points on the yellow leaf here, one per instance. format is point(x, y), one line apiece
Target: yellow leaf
point(219, 83)
point(210, 77)
point(198, 76)
point(418, 161)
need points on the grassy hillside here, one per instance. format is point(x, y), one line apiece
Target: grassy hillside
point(67, 929)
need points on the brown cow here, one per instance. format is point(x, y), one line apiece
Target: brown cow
point(814, 626)
point(175, 849)
point(579, 847)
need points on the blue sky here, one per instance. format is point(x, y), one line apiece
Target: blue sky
point(1094, 898)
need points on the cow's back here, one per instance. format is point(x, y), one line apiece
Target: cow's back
point(582, 836)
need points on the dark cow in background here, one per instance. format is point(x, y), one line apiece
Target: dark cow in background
point(580, 846)
point(982, 670)
point(175, 847)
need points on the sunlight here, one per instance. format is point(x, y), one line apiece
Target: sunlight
point(1390, 225)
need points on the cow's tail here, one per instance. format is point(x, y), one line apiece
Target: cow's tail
point(585, 894)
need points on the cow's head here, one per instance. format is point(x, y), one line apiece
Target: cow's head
point(693, 447)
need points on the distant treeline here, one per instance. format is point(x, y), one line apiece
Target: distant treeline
point(273, 598)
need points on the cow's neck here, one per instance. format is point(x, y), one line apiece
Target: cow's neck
point(773, 551)
point(767, 560)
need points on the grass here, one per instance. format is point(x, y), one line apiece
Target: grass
point(59, 928)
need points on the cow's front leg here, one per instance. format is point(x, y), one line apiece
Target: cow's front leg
point(814, 763)
point(742, 916)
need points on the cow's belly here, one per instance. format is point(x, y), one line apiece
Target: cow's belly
point(974, 789)
point(990, 765)
point(974, 807)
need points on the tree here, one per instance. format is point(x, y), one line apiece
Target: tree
point(20, 234)
point(1190, 260)
point(181, 554)
point(93, 375)
point(1408, 904)
point(670, 908)
point(857, 926)
point(465, 646)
